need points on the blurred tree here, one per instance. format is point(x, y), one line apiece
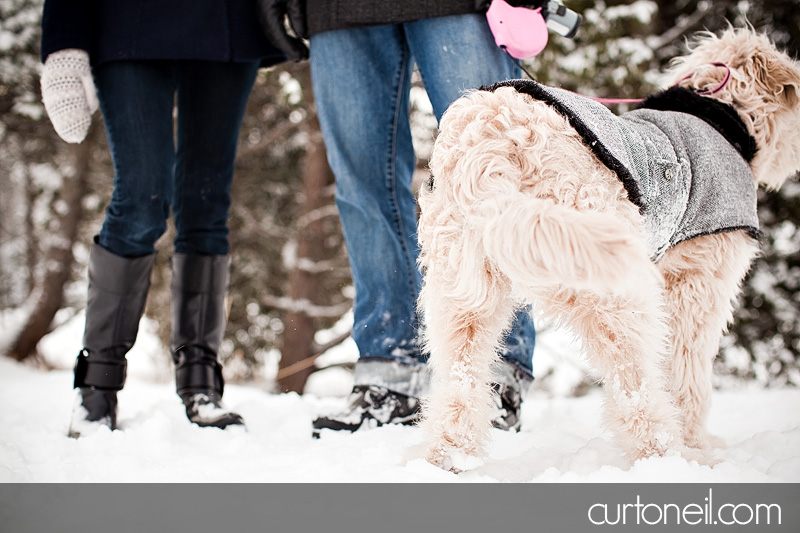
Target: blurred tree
point(47, 294)
point(290, 272)
point(45, 186)
point(290, 277)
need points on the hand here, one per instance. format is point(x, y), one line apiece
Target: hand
point(69, 94)
point(272, 14)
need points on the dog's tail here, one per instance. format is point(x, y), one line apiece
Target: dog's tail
point(538, 242)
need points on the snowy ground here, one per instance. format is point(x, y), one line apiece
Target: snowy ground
point(561, 440)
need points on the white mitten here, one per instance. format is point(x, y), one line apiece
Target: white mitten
point(69, 94)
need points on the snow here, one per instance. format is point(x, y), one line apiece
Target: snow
point(291, 88)
point(561, 440)
point(641, 10)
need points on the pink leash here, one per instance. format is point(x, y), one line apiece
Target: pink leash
point(607, 101)
point(638, 100)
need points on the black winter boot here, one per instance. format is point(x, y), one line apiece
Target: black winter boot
point(370, 406)
point(117, 293)
point(508, 390)
point(199, 287)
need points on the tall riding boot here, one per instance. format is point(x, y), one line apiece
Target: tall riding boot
point(117, 293)
point(199, 287)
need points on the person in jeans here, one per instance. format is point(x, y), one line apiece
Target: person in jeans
point(141, 59)
point(362, 53)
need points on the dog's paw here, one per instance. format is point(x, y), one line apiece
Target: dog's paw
point(462, 462)
point(444, 465)
point(703, 440)
point(701, 456)
point(453, 460)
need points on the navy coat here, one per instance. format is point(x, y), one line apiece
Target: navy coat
point(110, 30)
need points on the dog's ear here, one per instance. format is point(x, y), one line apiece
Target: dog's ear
point(764, 88)
point(778, 119)
point(780, 77)
point(776, 73)
point(791, 88)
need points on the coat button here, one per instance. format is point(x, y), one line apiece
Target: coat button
point(668, 173)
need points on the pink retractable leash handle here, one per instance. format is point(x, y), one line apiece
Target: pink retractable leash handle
point(520, 31)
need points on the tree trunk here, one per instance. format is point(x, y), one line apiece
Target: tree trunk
point(31, 255)
point(48, 292)
point(304, 280)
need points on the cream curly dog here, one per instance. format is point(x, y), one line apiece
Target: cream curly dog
point(634, 231)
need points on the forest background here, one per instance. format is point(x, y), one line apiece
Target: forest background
point(291, 292)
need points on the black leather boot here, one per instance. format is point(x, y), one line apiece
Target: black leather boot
point(199, 287)
point(117, 294)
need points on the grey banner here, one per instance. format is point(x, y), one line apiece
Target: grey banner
point(44, 508)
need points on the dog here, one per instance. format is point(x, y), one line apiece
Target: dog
point(537, 197)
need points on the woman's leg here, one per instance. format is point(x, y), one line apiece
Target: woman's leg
point(211, 101)
point(136, 98)
point(212, 97)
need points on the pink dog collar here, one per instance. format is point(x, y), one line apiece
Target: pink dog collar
point(520, 31)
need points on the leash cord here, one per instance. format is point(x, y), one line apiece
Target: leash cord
point(609, 101)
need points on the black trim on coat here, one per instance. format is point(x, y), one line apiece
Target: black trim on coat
point(537, 91)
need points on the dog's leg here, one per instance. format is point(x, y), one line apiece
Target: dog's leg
point(466, 307)
point(624, 338)
point(457, 415)
point(591, 270)
point(702, 279)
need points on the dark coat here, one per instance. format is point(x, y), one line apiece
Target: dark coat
point(326, 15)
point(110, 30)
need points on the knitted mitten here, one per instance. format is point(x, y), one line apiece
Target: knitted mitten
point(68, 93)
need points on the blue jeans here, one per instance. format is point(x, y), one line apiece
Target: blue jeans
point(361, 80)
point(154, 172)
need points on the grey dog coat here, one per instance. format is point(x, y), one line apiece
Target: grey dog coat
point(683, 159)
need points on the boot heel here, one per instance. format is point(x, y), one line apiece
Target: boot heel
point(198, 379)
